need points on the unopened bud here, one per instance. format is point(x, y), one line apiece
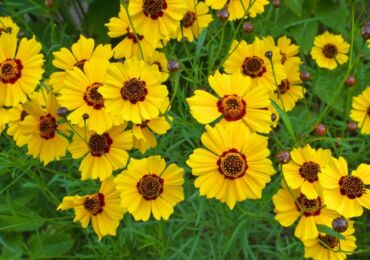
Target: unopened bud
point(62, 111)
point(305, 76)
point(248, 27)
point(283, 157)
point(85, 116)
point(365, 31)
point(340, 224)
point(276, 3)
point(49, 3)
point(268, 55)
point(223, 14)
point(173, 66)
point(320, 129)
point(351, 81)
point(351, 126)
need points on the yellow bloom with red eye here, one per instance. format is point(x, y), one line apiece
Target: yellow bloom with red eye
point(102, 208)
point(347, 194)
point(7, 26)
point(305, 169)
point(310, 212)
point(360, 111)
point(46, 134)
point(290, 89)
point(143, 133)
point(195, 20)
point(129, 46)
point(134, 91)
point(236, 101)
point(101, 153)
point(20, 68)
point(238, 9)
point(288, 50)
point(159, 59)
point(329, 50)
point(250, 61)
point(81, 51)
point(327, 247)
point(148, 187)
point(157, 18)
point(81, 95)
point(234, 166)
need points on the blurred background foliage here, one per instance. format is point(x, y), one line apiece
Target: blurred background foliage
point(30, 226)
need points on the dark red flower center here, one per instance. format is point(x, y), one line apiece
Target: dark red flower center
point(253, 67)
point(154, 8)
point(328, 241)
point(310, 207)
point(150, 186)
point(10, 70)
point(100, 144)
point(330, 50)
point(232, 164)
point(47, 126)
point(309, 171)
point(5, 30)
point(132, 37)
point(23, 115)
point(188, 19)
point(283, 87)
point(134, 90)
point(283, 57)
point(232, 107)
point(95, 203)
point(368, 111)
point(351, 186)
point(92, 96)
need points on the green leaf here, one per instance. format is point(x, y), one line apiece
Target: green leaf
point(284, 117)
point(295, 6)
point(330, 231)
point(11, 244)
point(49, 245)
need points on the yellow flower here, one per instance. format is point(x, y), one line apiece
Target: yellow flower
point(149, 187)
point(20, 68)
point(239, 8)
point(327, 247)
point(361, 111)
point(195, 20)
point(143, 133)
point(159, 59)
point(133, 90)
point(305, 169)
point(250, 60)
point(330, 49)
point(234, 166)
point(7, 26)
point(128, 47)
point(81, 51)
point(236, 100)
point(346, 194)
point(310, 212)
point(102, 153)
point(81, 95)
point(289, 51)
point(157, 18)
point(102, 208)
point(45, 132)
point(368, 43)
point(290, 89)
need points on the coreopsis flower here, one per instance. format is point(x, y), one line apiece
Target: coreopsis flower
point(328, 247)
point(46, 133)
point(134, 91)
point(129, 46)
point(101, 153)
point(329, 50)
point(81, 51)
point(239, 8)
point(159, 59)
point(234, 166)
point(148, 187)
point(250, 60)
point(157, 18)
point(368, 43)
point(102, 208)
point(236, 100)
point(293, 205)
point(195, 20)
point(144, 133)
point(289, 51)
point(290, 89)
point(81, 96)
point(360, 112)
point(305, 169)
point(7, 26)
point(20, 68)
point(5, 117)
point(347, 194)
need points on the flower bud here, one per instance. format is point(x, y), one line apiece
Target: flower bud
point(350, 81)
point(248, 27)
point(268, 55)
point(305, 76)
point(283, 157)
point(340, 224)
point(276, 3)
point(223, 14)
point(320, 129)
point(62, 111)
point(173, 66)
point(351, 126)
point(85, 116)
